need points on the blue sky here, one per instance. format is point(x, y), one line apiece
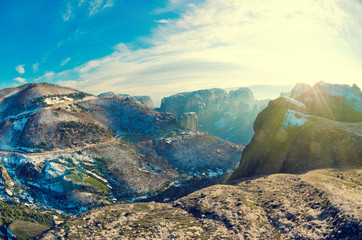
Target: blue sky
point(161, 47)
point(42, 36)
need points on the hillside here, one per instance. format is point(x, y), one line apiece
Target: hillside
point(320, 128)
point(321, 204)
point(74, 151)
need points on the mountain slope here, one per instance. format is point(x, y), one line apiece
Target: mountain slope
point(315, 132)
point(74, 151)
point(321, 204)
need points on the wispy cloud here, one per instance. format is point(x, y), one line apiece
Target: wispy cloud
point(234, 43)
point(96, 6)
point(68, 13)
point(35, 67)
point(20, 69)
point(65, 61)
point(21, 80)
point(164, 21)
point(92, 6)
point(177, 6)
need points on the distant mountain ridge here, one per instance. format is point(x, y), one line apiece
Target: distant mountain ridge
point(228, 115)
point(144, 100)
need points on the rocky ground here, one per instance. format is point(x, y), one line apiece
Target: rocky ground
point(321, 204)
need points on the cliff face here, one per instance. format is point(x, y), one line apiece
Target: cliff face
point(320, 128)
point(227, 115)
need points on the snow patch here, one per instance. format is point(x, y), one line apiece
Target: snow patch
point(54, 170)
point(18, 125)
point(55, 100)
point(294, 118)
point(22, 113)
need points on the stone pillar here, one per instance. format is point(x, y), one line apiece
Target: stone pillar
point(189, 121)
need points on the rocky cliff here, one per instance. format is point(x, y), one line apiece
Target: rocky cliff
point(227, 115)
point(189, 121)
point(320, 127)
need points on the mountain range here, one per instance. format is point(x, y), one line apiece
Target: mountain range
point(75, 165)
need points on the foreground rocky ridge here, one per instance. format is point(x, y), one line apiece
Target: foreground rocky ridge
point(320, 127)
point(321, 204)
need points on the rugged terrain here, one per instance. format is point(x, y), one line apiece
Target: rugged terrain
point(69, 159)
point(228, 115)
point(65, 150)
point(321, 204)
point(320, 127)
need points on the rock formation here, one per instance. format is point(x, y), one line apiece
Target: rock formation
point(320, 128)
point(189, 121)
point(227, 115)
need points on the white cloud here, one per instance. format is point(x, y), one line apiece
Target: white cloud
point(68, 13)
point(65, 61)
point(80, 3)
point(19, 79)
point(235, 43)
point(35, 67)
point(164, 21)
point(20, 69)
point(98, 5)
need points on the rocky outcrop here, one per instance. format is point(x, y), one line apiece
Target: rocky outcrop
point(189, 121)
point(320, 128)
point(321, 204)
point(146, 101)
point(227, 115)
point(333, 101)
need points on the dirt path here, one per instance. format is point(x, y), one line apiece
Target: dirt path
point(66, 150)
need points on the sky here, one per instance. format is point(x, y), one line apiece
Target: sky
point(162, 47)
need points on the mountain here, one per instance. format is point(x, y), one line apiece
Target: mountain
point(144, 100)
point(228, 115)
point(65, 150)
point(321, 204)
point(319, 127)
point(74, 165)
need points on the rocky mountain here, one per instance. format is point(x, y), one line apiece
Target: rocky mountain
point(144, 100)
point(69, 151)
point(77, 166)
point(228, 115)
point(319, 127)
point(321, 204)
